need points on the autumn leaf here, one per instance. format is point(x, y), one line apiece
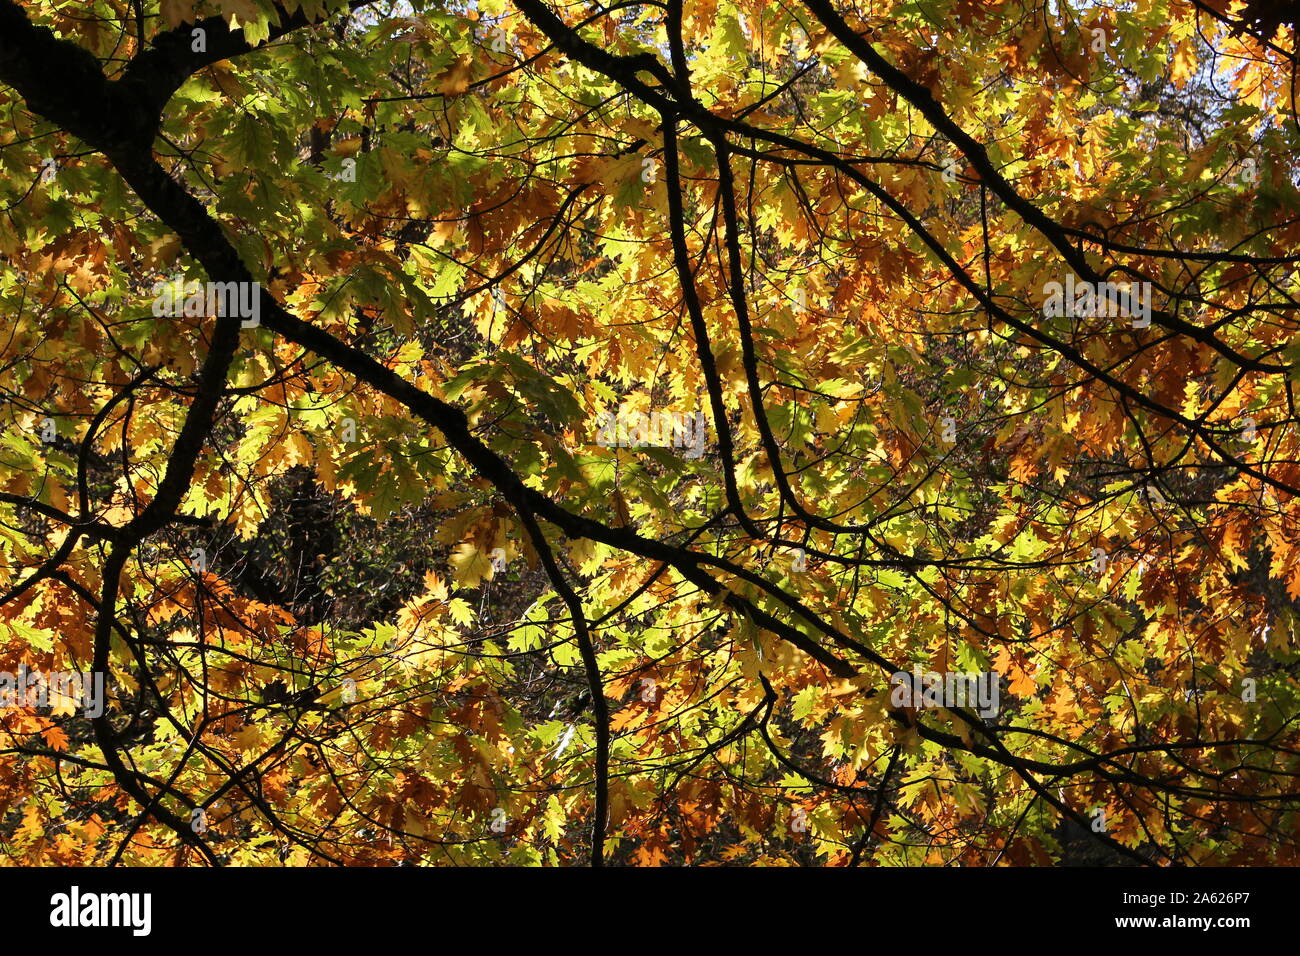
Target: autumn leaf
point(455, 80)
point(442, 428)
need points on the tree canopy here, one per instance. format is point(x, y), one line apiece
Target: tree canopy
point(511, 432)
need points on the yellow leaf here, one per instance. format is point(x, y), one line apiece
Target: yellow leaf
point(31, 827)
point(249, 737)
point(455, 81)
point(469, 565)
point(347, 147)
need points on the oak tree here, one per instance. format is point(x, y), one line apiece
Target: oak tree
point(519, 432)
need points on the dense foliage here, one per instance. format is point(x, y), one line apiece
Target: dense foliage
point(626, 393)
